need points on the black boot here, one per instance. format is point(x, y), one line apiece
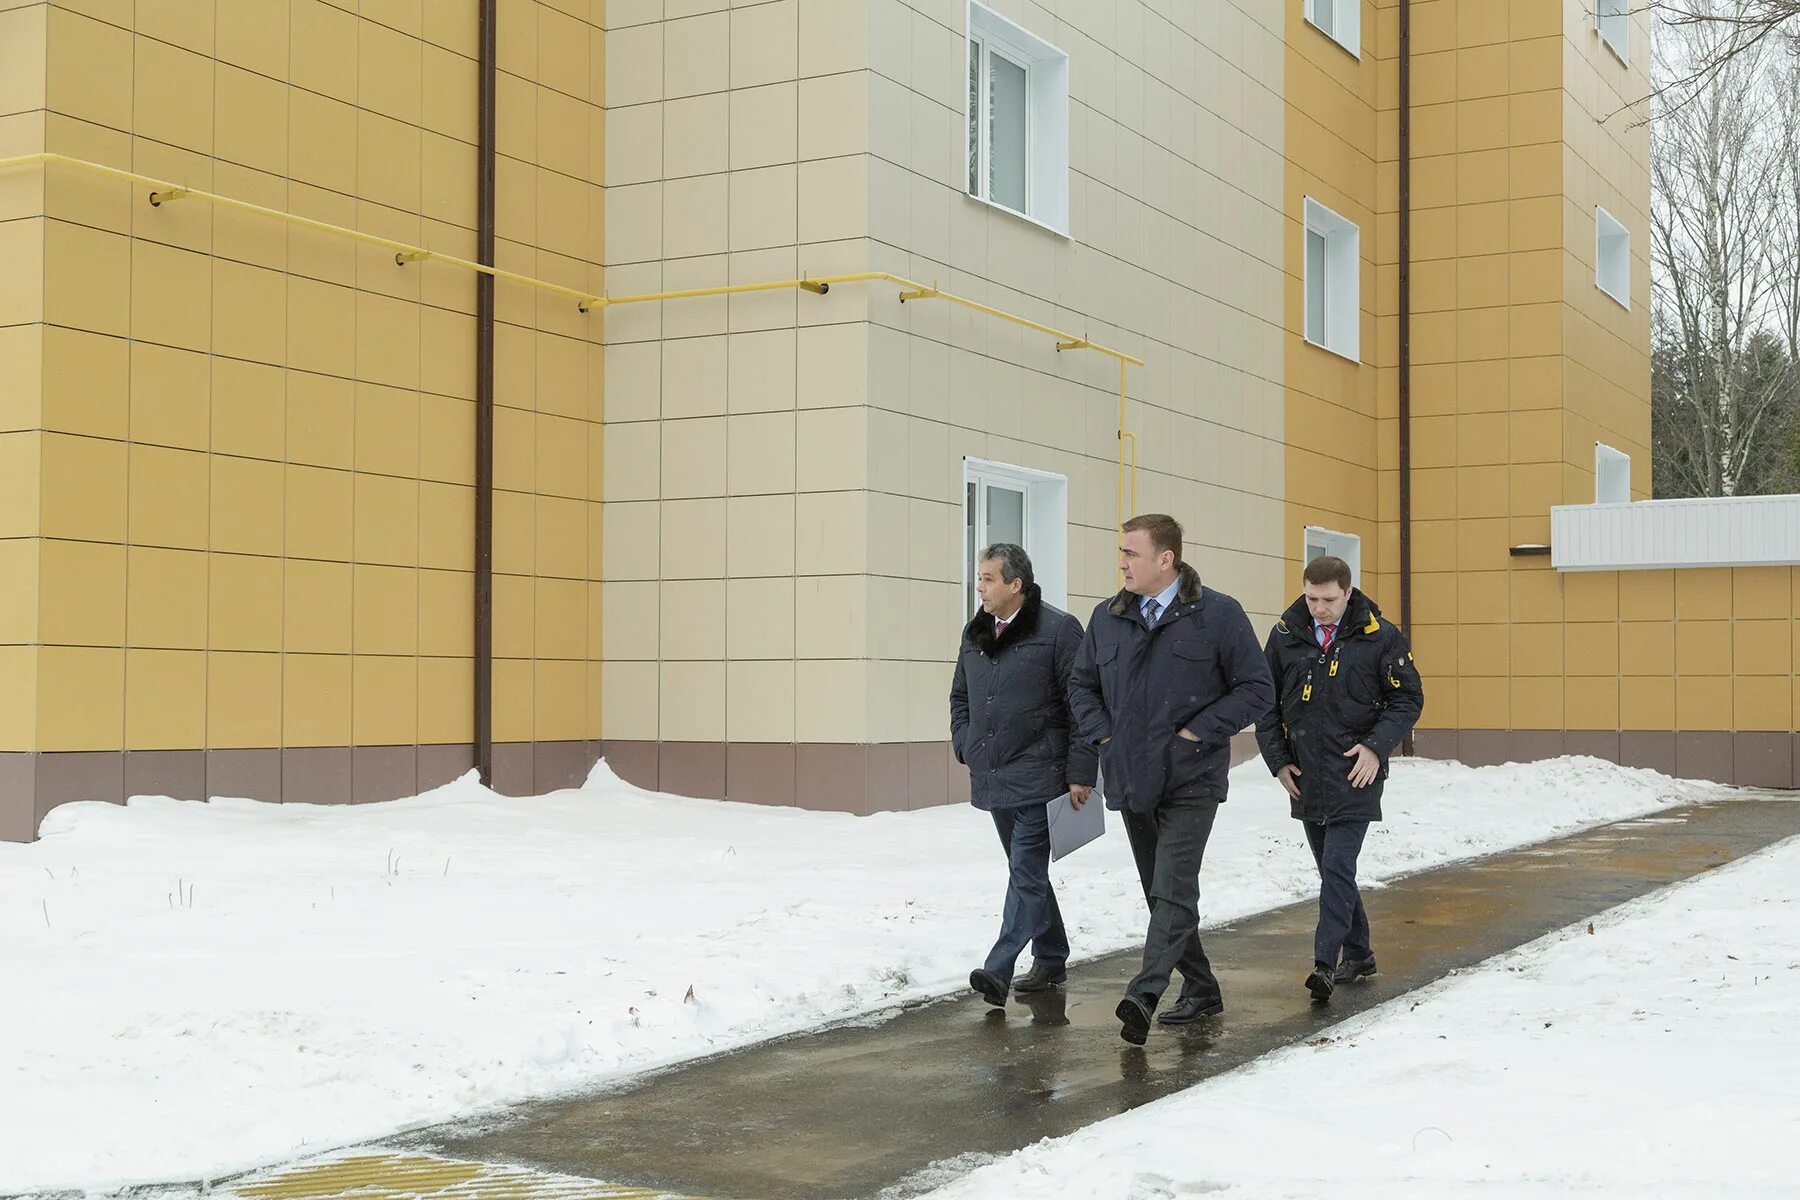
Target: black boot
point(1352, 969)
point(1134, 1020)
point(1189, 1009)
point(1320, 983)
point(990, 986)
point(1042, 977)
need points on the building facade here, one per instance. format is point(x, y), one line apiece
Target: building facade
point(1317, 275)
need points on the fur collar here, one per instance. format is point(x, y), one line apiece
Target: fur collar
point(1187, 593)
point(1023, 624)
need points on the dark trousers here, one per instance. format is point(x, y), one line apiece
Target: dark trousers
point(1031, 916)
point(1169, 845)
point(1343, 925)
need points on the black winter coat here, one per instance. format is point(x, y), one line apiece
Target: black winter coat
point(1200, 669)
point(1366, 689)
point(1009, 708)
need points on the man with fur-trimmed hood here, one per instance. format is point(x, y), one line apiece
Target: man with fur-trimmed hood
point(1169, 671)
point(1009, 724)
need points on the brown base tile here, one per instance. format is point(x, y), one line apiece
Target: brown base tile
point(514, 771)
point(1434, 743)
point(1244, 748)
point(1650, 748)
point(177, 773)
point(831, 777)
point(316, 775)
point(244, 774)
point(69, 777)
point(1704, 755)
point(691, 769)
point(928, 766)
point(439, 765)
point(557, 766)
point(1764, 760)
point(1594, 743)
point(18, 797)
point(383, 773)
point(634, 762)
point(1483, 747)
point(760, 773)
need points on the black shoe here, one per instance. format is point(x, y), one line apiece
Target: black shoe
point(1134, 1020)
point(1319, 983)
point(990, 986)
point(1352, 969)
point(1189, 1009)
point(1041, 978)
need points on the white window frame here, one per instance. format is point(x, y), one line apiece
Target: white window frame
point(1341, 286)
point(1612, 21)
point(1046, 537)
point(1046, 117)
point(1344, 26)
point(1316, 540)
point(1612, 257)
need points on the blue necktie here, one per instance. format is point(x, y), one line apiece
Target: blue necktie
point(1151, 610)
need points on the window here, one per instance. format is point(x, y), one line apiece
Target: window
point(1612, 18)
point(1004, 503)
point(1333, 281)
point(1612, 257)
point(1018, 120)
point(1340, 20)
point(1346, 546)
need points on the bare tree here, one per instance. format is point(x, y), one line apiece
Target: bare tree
point(1717, 176)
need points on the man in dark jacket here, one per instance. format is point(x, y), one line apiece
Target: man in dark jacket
point(1349, 694)
point(1009, 724)
point(1168, 671)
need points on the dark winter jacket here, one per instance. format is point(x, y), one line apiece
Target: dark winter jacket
point(1200, 669)
point(1364, 689)
point(1009, 709)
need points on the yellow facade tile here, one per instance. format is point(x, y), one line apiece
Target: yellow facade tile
point(387, 520)
point(165, 699)
point(82, 593)
point(254, 37)
point(249, 313)
point(559, 703)
point(1482, 650)
point(560, 619)
point(1537, 703)
point(1703, 703)
point(1647, 595)
point(1763, 592)
point(244, 610)
point(81, 380)
point(171, 296)
point(170, 396)
point(89, 69)
point(316, 607)
point(81, 698)
point(315, 699)
point(1703, 648)
point(1763, 703)
point(321, 420)
point(446, 602)
point(562, 529)
point(248, 505)
point(87, 280)
point(1537, 650)
point(81, 486)
point(318, 516)
point(1703, 594)
point(322, 135)
point(1762, 647)
point(166, 598)
point(387, 341)
point(18, 700)
point(389, 72)
point(1647, 648)
point(385, 616)
point(169, 497)
point(387, 430)
point(173, 94)
point(446, 700)
point(513, 699)
point(1648, 703)
point(1483, 702)
point(323, 49)
point(385, 701)
point(446, 526)
point(249, 409)
point(1591, 703)
point(243, 700)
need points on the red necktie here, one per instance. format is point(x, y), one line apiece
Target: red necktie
point(1330, 632)
point(999, 627)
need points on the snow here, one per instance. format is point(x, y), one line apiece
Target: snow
point(198, 989)
point(1653, 1057)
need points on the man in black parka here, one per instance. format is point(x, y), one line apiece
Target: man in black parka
point(1009, 724)
point(1348, 694)
point(1169, 670)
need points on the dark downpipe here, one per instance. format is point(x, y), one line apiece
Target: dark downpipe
point(484, 406)
point(1405, 329)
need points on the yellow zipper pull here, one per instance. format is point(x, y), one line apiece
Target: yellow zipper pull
point(1306, 694)
point(1333, 671)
